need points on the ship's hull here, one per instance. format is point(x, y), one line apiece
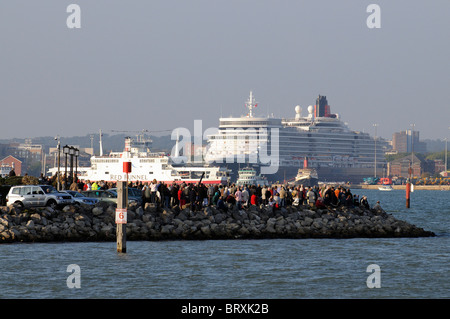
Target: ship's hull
point(307, 177)
point(148, 172)
point(142, 177)
point(255, 181)
point(249, 176)
point(307, 181)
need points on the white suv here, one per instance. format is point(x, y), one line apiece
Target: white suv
point(37, 195)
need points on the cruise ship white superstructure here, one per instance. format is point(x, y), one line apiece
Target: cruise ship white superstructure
point(323, 138)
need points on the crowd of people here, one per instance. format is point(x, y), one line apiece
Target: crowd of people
point(200, 195)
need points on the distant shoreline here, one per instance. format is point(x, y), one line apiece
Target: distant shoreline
point(403, 187)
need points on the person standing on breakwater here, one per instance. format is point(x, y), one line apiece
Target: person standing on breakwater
point(276, 199)
point(153, 189)
point(145, 194)
point(377, 206)
point(258, 191)
point(221, 204)
point(245, 196)
point(230, 199)
point(348, 198)
point(263, 195)
point(297, 199)
point(202, 194)
point(268, 195)
point(289, 198)
point(282, 194)
point(87, 186)
point(302, 195)
point(216, 197)
point(355, 200)
point(330, 198)
point(80, 185)
point(271, 202)
point(192, 197)
point(311, 197)
point(340, 195)
point(364, 202)
point(181, 197)
point(254, 199)
point(166, 195)
point(238, 196)
point(174, 194)
point(74, 187)
point(210, 193)
point(319, 203)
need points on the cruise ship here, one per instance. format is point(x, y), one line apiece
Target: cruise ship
point(280, 145)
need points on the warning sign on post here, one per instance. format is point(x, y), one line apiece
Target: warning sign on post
point(121, 215)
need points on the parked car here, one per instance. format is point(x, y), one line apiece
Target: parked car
point(37, 196)
point(133, 193)
point(82, 199)
point(104, 196)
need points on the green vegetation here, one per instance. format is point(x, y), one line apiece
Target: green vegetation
point(19, 180)
point(423, 157)
point(11, 180)
point(437, 156)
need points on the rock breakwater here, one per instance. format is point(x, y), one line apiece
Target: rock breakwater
point(75, 223)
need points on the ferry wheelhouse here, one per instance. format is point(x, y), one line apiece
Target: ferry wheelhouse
point(249, 176)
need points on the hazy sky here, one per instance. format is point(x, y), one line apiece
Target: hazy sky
point(162, 64)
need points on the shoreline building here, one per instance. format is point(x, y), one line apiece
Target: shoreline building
point(8, 163)
point(418, 164)
point(408, 141)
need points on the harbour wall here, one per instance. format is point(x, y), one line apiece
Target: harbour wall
point(97, 223)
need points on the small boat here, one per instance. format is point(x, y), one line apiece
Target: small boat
point(306, 176)
point(385, 188)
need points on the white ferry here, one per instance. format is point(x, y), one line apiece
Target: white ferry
point(248, 176)
point(146, 166)
point(334, 150)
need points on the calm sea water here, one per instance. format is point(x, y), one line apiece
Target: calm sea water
point(302, 268)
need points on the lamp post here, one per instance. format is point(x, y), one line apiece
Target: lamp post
point(445, 167)
point(375, 125)
point(411, 170)
point(71, 153)
point(77, 153)
point(412, 149)
point(65, 151)
point(58, 176)
point(408, 188)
